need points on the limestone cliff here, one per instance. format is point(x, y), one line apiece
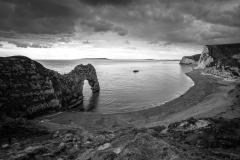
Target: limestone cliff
point(190, 59)
point(28, 89)
point(221, 60)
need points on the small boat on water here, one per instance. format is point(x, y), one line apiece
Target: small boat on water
point(135, 71)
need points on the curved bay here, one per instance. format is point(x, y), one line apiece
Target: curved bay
point(124, 91)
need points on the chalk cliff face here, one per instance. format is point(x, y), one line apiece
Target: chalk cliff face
point(27, 89)
point(221, 60)
point(190, 59)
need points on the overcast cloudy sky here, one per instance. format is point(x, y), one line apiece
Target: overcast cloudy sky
point(160, 29)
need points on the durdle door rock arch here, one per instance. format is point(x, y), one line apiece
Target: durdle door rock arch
point(81, 73)
point(27, 89)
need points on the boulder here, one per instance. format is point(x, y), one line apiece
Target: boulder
point(208, 132)
point(30, 152)
point(28, 89)
point(208, 138)
point(186, 60)
point(221, 60)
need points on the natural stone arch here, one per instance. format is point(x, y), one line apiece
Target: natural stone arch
point(81, 73)
point(87, 88)
point(28, 89)
point(75, 81)
point(91, 77)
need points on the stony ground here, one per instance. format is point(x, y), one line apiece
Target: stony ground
point(190, 139)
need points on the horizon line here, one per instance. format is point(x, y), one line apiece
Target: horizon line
point(113, 59)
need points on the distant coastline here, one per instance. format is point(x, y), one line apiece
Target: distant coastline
point(94, 59)
point(72, 59)
point(107, 59)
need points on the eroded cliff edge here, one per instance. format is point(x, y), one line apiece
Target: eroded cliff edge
point(186, 60)
point(221, 60)
point(27, 89)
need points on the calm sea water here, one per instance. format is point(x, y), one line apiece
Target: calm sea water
point(122, 90)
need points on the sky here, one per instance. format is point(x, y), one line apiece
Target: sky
point(116, 29)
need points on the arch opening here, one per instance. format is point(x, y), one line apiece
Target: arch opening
point(87, 90)
point(90, 98)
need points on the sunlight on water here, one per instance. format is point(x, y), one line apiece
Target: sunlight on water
point(122, 90)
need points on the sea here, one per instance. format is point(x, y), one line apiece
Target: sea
point(122, 90)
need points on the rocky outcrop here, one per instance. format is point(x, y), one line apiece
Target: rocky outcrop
point(190, 59)
point(207, 132)
point(209, 138)
point(221, 60)
point(28, 89)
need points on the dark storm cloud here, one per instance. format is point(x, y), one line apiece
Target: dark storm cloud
point(19, 43)
point(36, 45)
point(86, 42)
point(104, 26)
point(36, 16)
point(153, 42)
point(154, 21)
point(120, 30)
point(132, 48)
point(160, 44)
point(211, 12)
point(65, 39)
point(24, 44)
point(167, 44)
point(30, 40)
point(52, 17)
point(126, 42)
point(189, 21)
point(108, 2)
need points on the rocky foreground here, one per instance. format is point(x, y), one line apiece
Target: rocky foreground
point(209, 138)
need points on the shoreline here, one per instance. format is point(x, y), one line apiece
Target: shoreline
point(204, 98)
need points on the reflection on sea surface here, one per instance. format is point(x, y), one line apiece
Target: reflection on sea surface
point(92, 103)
